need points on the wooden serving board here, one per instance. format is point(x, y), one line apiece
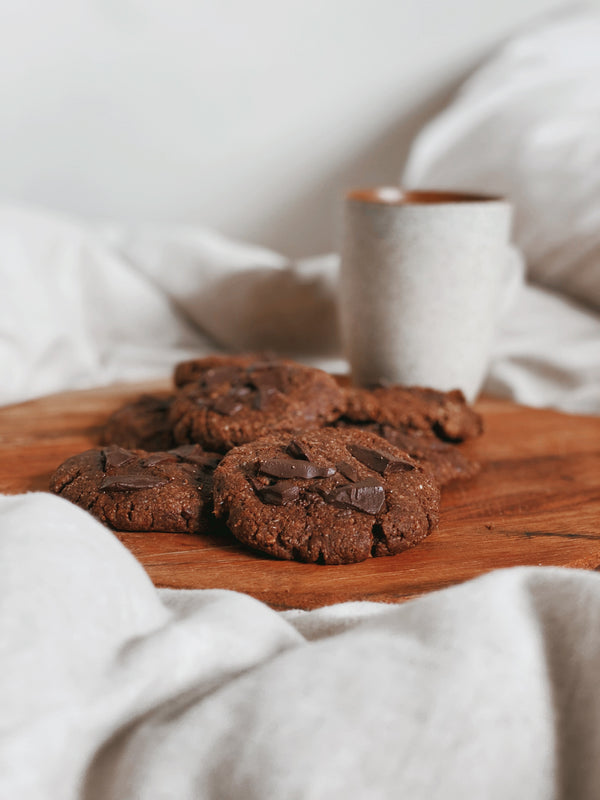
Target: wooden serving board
point(536, 501)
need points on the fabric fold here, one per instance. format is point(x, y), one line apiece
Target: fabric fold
point(123, 691)
point(85, 307)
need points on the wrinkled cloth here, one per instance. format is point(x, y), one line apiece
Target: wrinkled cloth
point(111, 689)
point(525, 125)
point(83, 306)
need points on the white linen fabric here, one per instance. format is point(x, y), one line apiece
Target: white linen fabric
point(83, 306)
point(112, 690)
point(526, 125)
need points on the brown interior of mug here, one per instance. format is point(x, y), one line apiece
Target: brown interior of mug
point(396, 196)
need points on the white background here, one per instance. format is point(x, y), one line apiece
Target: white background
point(252, 117)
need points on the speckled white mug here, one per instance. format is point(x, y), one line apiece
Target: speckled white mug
point(423, 276)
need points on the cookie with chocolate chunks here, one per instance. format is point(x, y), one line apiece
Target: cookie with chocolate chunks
point(196, 368)
point(333, 496)
point(236, 403)
point(444, 459)
point(142, 424)
point(134, 490)
point(446, 414)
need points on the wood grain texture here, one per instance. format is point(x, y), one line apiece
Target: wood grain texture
point(535, 502)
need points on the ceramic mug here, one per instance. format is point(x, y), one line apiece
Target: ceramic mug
point(423, 277)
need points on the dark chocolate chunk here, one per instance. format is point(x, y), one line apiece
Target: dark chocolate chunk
point(263, 397)
point(218, 375)
point(115, 456)
point(347, 470)
point(293, 468)
point(367, 496)
point(376, 460)
point(372, 459)
point(193, 470)
point(137, 480)
point(297, 450)
point(227, 405)
point(157, 458)
point(398, 465)
point(194, 454)
point(267, 382)
point(279, 493)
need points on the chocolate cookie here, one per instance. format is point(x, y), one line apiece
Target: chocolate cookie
point(234, 404)
point(334, 496)
point(445, 460)
point(143, 424)
point(445, 413)
point(194, 369)
point(140, 491)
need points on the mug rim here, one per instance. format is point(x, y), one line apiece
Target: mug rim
point(400, 196)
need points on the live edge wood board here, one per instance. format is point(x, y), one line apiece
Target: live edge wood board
point(536, 502)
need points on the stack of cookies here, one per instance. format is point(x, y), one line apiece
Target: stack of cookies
point(294, 464)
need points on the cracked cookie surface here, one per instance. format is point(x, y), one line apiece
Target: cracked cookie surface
point(444, 459)
point(134, 490)
point(446, 414)
point(333, 496)
point(234, 403)
point(194, 368)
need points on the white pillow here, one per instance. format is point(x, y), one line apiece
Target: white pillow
point(527, 125)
